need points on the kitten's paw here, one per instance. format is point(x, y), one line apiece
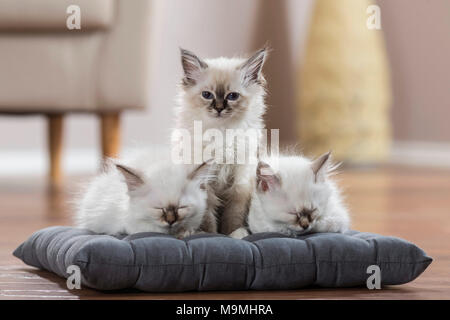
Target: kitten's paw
point(330, 226)
point(239, 233)
point(185, 233)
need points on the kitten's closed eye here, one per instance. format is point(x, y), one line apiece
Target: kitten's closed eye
point(304, 213)
point(183, 210)
point(180, 209)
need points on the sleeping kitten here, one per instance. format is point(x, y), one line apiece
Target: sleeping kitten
point(161, 197)
point(299, 197)
point(224, 93)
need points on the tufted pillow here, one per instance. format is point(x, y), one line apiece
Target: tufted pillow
point(265, 261)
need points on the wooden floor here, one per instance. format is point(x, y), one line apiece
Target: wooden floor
point(410, 203)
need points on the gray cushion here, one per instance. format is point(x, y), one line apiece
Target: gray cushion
point(157, 262)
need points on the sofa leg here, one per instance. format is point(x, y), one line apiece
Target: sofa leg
point(55, 137)
point(110, 134)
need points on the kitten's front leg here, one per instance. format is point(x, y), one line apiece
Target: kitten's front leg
point(331, 224)
point(236, 209)
point(233, 216)
point(209, 223)
point(183, 233)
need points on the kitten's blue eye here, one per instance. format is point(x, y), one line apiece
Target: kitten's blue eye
point(232, 96)
point(207, 95)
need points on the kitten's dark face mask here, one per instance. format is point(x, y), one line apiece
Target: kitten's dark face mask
point(221, 103)
point(303, 218)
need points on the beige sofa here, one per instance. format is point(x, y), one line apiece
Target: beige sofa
point(102, 68)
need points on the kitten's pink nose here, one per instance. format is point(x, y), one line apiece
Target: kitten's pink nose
point(171, 216)
point(304, 222)
point(170, 220)
point(219, 105)
point(219, 109)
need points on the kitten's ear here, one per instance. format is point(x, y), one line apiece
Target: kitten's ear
point(266, 178)
point(201, 171)
point(320, 166)
point(132, 179)
point(251, 69)
point(192, 67)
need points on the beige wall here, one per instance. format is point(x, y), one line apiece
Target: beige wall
point(418, 41)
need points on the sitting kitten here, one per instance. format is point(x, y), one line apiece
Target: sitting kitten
point(298, 198)
point(223, 93)
point(163, 198)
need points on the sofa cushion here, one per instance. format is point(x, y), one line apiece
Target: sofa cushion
point(50, 15)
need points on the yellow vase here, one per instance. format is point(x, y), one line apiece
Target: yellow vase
point(344, 94)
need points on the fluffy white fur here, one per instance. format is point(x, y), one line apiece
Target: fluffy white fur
point(109, 205)
point(290, 186)
point(221, 76)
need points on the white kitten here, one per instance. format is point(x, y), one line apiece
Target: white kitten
point(299, 197)
point(149, 193)
point(223, 93)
